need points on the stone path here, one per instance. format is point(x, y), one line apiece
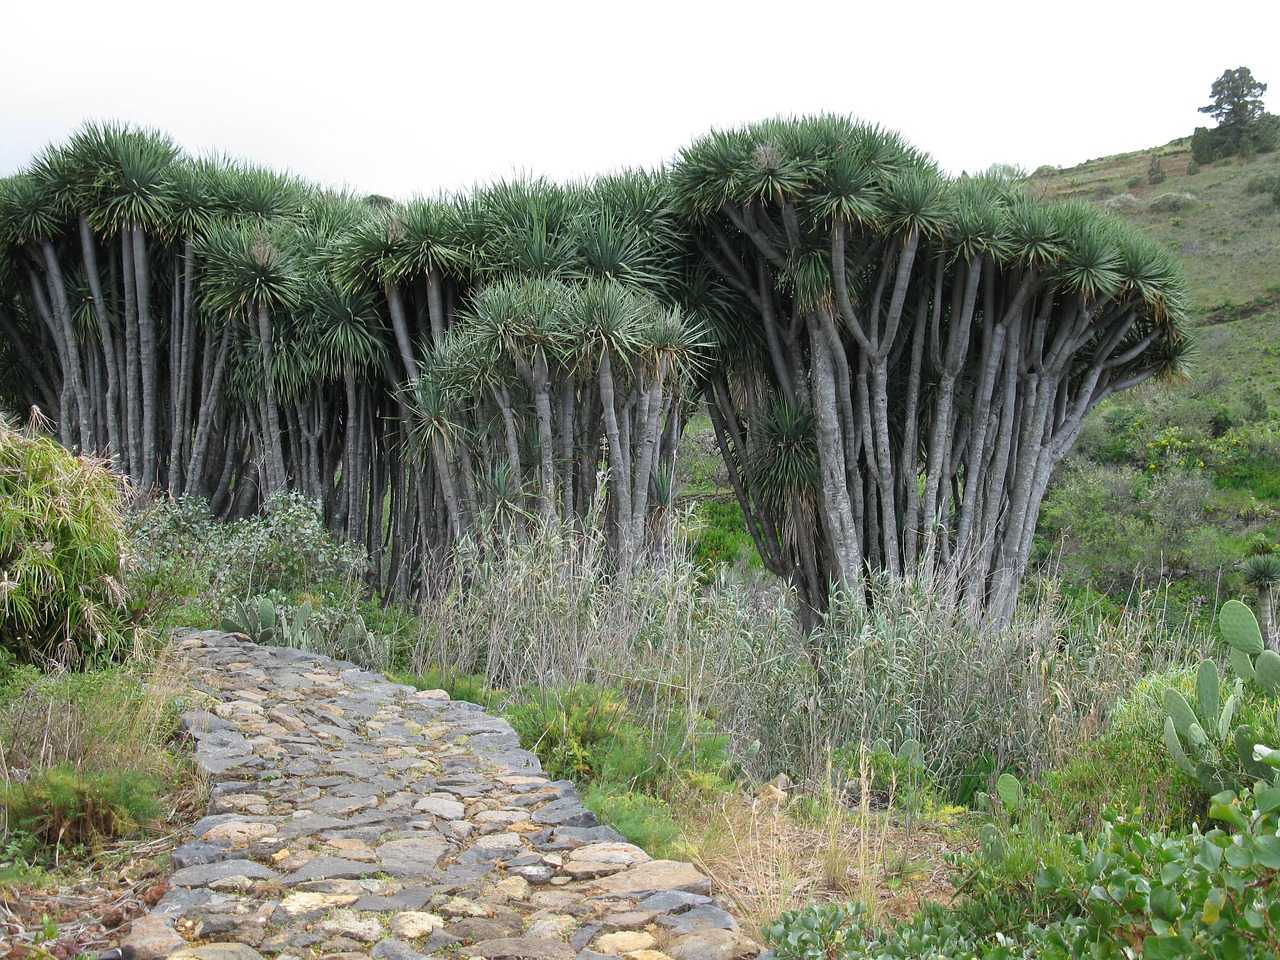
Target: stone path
point(352, 817)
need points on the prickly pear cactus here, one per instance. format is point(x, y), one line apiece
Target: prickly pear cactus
point(1200, 736)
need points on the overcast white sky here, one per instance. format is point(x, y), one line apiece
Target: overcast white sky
point(405, 98)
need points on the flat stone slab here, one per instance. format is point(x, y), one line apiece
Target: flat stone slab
point(704, 917)
point(655, 876)
point(414, 898)
point(522, 948)
point(714, 945)
point(198, 852)
point(203, 874)
point(391, 948)
point(306, 905)
point(567, 812)
point(217, 951)
point(412, 857)
point(153, 937)
point(441, 806)
point(329, 868)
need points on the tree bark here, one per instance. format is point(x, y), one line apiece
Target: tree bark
point(619, 464)
point(277, 473)
point(148, 362)
point(89, 255)
point(842, 534)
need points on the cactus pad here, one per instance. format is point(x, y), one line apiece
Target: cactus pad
point(1240, 627)
point(1267, 672)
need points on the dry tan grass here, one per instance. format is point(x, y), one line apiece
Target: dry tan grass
point(122, 719)
point(767, 856)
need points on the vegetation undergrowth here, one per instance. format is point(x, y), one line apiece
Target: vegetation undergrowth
point(669, 698)
point(85, 757)
point(88, 698)
point(1118, 887)
point(1125, 891)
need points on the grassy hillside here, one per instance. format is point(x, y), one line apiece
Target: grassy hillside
point(1178, 481)
point(1227, 238)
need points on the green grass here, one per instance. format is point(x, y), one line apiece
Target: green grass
point(66, 807)
point(84, 758)
point(699, 470)
point(720, 536)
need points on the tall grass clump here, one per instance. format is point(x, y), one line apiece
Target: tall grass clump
point(912, 666)
point(61, 541)
point(547, 611)
point(92, 721)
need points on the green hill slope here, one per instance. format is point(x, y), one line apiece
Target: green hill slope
point(1227, 238)
point(1180, 481)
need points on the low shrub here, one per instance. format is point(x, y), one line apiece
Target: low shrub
point(1125, 892)
point(1127, 769)
point(1155, 171)
point(645, 820)
point(1268, 184)
point(284, 551)
point(1173, 202)
point(1194, 895)
point(574, 729)
point(279, 577)
point(1124, 772)
point(593, 735)
point(175, 553)
point(1123, 201)
point(719, 536)
point(286, 548)
point(1114, 529)
point(833, 931)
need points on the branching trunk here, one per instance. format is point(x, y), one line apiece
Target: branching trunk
point(619, 463)
point(846, 571)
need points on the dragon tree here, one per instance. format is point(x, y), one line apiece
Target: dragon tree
point(907, 356)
